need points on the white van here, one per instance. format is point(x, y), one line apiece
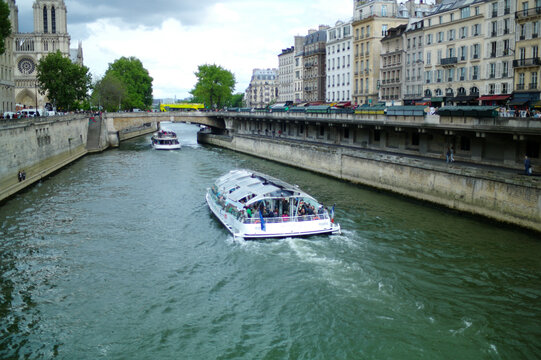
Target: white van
point(32, 112)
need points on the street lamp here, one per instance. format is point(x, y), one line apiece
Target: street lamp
point(36, 89)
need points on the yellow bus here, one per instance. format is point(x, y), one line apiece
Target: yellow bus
point(181, 107)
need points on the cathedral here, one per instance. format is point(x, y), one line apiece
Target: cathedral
point(24, 50)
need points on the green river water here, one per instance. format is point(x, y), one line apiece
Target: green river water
point(118, 257)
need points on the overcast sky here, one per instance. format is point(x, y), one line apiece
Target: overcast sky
point(173, 37)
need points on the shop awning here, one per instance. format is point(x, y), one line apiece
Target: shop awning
point(436, 99)
point(519, 101)
point(494, 97)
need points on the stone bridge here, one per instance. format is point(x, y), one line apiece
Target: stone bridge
point(121, 126)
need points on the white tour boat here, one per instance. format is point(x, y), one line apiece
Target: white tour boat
point(165, 140)
point(252, 205)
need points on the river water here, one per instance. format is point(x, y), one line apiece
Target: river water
point(118, 257)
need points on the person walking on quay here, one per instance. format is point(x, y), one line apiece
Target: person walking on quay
point(448, 154)
point(527, 165)
point(452, 154)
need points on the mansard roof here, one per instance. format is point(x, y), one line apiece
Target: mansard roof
point(447, 5)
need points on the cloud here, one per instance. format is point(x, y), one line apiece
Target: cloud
point(173, 37)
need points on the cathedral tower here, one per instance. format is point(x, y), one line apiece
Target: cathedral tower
point(50, 17)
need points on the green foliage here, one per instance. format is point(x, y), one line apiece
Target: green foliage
point(64, 82)
point(5, 26)
point(135, 80)
point(214, 85)
point(108, 93)
point(237, 100)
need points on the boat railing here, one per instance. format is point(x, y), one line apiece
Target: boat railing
point(287, 219)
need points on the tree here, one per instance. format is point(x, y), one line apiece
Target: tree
point(108, 93)
point(5, 26)
point(64, 82)
point(214, 85)
point(136, 81)
point(237, 100)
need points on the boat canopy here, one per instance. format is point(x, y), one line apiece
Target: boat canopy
point(240, 184)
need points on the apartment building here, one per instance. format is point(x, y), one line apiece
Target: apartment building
point(412, 87)
point(392, 66)
point(339, 62)
point(314, 55)
point(7, 65)
point(468, 52)
point(298, 82)
point(371, 21)
point(263, 88)
point(527, 63)
point(286, 68)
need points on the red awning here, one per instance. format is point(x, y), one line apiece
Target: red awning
point(494, 97)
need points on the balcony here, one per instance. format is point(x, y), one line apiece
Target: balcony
point(494, 14)
point(531, 62)
point(533, 86)
point(449, 61)
point(506, 11)
point(494, 34)
point(520, 86)
point(493, 54)
point(529, 13)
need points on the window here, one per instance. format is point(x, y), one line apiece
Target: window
point(462, 53)
point(383, 30)
point(477, 11)
point(494, 9)
point(535, 51)
point(429, 39)
point(53, 20)
point(451, 35)
point(441, 19)
point(440, 36)
point(383, 10)
point(506, 26)
point(462, 74)
point(475, 72)
point(465, 12)
point(368, 31)
point(45, 24)
point(535, 31)
point(475, 29)
point(506, 47)
point(492, 67)
point(450, 75)
point(505, 69)
point(505, 88)
point(476, 50)
point(451, 17)
point(428, 58)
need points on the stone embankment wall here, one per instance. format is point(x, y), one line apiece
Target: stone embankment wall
point(39, 147)
point(514, 199)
